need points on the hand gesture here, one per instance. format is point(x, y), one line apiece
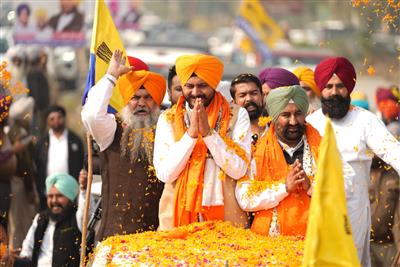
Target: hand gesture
point(204, 127)
point(83, 179)
point(193, 130)
point(295, 178)
point(117, 66)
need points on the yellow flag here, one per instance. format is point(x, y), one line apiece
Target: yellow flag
point(105, 39)
point(329, 241)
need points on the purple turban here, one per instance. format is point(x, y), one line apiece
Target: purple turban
point(277, 77)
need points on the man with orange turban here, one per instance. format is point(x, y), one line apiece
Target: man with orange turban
point(358, 132)
point(130, 190)
point(306, 79)
point(201, 149)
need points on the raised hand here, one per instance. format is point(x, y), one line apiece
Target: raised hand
point(204, 127)
point(117, 66)
point(193, 130)
point(295, 178)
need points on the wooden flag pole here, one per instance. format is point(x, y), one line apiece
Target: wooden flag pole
point(87, 199)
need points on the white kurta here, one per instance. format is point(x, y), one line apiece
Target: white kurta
point(171, 157)
point(360, 135)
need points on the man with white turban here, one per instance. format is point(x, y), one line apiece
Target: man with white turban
point(285, 160)
point(201, 148)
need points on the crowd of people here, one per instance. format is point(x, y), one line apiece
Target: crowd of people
point(243, 151)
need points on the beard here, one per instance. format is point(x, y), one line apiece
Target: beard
point(253, 114)
point(137, 141)
point(65, 213)
point(336, 106)
point(293, 133)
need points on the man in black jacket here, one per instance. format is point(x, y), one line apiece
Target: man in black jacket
point(60, 150)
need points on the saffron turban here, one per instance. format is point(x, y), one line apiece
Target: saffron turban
point(65, 183)
point(389, 108)
point(340, 66)
point(277, 77)
point(278, 99)
point(137, 64)
point(154, 84)
point(208, 68)
point(306, 75)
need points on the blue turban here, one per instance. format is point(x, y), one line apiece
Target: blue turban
point(65, 183)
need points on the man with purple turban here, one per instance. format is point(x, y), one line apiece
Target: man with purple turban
point(358, 132)
point(272, 78)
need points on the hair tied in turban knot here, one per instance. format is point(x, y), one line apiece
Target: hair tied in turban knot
point(279, 98)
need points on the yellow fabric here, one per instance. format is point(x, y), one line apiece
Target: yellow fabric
point(208, 68)
point(154, 83)
point(329, 241)
point(105, 40)
point(307, 75)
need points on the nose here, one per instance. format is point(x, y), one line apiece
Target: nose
point(247, 98)
point(292, 120)
point(141, 102)
point(196, 91)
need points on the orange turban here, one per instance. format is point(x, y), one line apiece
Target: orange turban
point(306, 75)
point(154, 83)
point(389, 108)
point(208, 68)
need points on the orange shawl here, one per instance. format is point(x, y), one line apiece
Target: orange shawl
point(272, 168)
point(189, 184)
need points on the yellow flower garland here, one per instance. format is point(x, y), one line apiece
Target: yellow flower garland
point(201, 244)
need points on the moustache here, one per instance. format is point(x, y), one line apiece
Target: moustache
point(250, 104)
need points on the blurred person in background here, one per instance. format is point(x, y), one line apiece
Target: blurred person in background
point(23, 29)
point(359, 99)
point(358, 133)
point(246, 92)
point(306, 79)
point(69, 19)
point(25, 200)
point(17, 64)
point(275, 77)
point(388, 103)
point(43, 30)
point(174, 89)
point(59, 150)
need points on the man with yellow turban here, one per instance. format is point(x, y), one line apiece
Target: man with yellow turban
point(201, 149)
point(130, 190)
point(306, 79)
point(285, 160)
point(359, 135)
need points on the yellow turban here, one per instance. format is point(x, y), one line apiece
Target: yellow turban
point(208, 68)
point(154, 83)
point(307, 75)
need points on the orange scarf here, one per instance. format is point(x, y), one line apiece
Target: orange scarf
point(272, 168)
point(189, 185)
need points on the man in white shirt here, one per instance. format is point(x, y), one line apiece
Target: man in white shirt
point(198, 144)
point(60, 150)
point(359, 135)
point(54, 237)
point(130, 191)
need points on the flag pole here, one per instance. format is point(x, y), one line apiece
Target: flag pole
point(87, 199)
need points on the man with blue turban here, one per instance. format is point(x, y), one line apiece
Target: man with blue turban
point(54, 237)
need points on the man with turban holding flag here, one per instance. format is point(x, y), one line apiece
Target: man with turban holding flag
point(205, 143)
point(358, 132)
point(130, 190)
point(306, 79)
point(285, 160)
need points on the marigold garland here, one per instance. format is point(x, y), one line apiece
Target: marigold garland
point(263, 121)
point(200, 244)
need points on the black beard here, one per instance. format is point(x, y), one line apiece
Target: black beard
point(65, 213)
point(336, 106)
point(298, 136)
point(255, 114)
